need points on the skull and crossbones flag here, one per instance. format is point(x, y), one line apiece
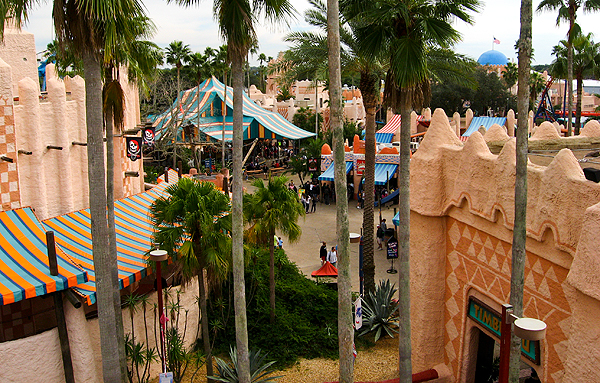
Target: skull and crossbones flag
point(148, 136)
point(134, 148)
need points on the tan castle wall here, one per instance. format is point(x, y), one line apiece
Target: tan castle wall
point(462, 202)
point(51, 181)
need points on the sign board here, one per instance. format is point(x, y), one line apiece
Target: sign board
point(360, 167)
point(312, 164)
point(392, 248)
point(491, 320)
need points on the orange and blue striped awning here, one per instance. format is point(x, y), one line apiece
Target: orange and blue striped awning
point(24, 270)
point(134, 231)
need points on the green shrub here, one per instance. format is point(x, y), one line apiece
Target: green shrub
point(306, 312)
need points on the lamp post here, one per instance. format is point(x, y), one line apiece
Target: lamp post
point(158, 256)
point(525, 328)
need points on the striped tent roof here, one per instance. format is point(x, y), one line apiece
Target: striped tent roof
point(197, 108)
point(484, 121)
point(328, 174)
point(383, 172)
point(392, 125)
point(384, 138)
point(134, 238)
point(173, 177)
point(24, 270)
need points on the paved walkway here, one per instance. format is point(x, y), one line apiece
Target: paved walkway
point(321, 226)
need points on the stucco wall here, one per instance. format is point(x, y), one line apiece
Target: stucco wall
point(51, 181)
point(472, 190)
point(28, 359)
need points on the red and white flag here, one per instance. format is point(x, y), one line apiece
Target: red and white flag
point(496, 41)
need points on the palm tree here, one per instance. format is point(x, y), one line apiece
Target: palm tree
point(236, 23)
point(510, 76)
point(191, 224)
point(273, 207)
point(88, 28)
point(586, 61)
point(404, 31)
point(308, 56)
point(262, 58)
point(567, 11)
point(221, 65)
point(520, 223)
point(345, 328)
point(199, 64)
point(177, 54)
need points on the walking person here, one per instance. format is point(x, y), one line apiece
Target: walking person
point(280, 243)
point(332, 256)
point(323, 253)
point(383, 225)
point(303, 201)
point(379, 234)
point(308, 200)
point(313, 207)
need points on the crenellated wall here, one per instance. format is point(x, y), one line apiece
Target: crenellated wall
point(33, 126)
point(462, 203)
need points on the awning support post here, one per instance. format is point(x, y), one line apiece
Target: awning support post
point(59, 309)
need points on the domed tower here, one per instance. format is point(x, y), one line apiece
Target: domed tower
point(494, 61)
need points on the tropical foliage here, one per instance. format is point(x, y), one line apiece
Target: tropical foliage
point(305, 322)
point(273, 207)
point(192, 223)
point(259, 368)
point(379, 311)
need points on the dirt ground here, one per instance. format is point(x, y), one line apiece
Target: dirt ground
point(375, 364)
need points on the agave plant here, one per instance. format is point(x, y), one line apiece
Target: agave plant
point(378, 311)
point(259, 368)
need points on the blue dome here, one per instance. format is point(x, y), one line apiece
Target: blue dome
point(492, 58)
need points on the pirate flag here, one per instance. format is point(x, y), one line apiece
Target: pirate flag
point(148, 135)
point(134, 148)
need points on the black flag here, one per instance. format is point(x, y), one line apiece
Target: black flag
point(148, 136)
point(134, 148)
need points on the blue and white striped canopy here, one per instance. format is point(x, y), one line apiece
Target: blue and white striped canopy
point(383, 172)
point(384, 138)
point(328, 174)
point(486, 122)
point(202, 106)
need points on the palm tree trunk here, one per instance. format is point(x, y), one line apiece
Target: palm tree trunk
point(110, 202)
point(224, 112)
point(272, 276)
point(520, 225)
point(569, 67)
point(105, 262)
point(175, 125)
point(237, 230)
point(205, 331)
point(405, 347)
point(368, 89)
point(345, 322)
point(579, 100)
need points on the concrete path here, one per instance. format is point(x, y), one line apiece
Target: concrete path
point(321, 226)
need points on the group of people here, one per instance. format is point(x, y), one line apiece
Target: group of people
point(309, 202)
point(328, 256)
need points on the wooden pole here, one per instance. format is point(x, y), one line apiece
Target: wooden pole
point(59, 309)
point(505, 336)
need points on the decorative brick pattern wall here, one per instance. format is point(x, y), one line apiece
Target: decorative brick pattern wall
point(9, 178)
point(477, 259)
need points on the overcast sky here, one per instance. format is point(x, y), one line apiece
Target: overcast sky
point(195, 26)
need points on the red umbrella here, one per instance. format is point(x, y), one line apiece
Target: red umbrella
point(327, 270)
